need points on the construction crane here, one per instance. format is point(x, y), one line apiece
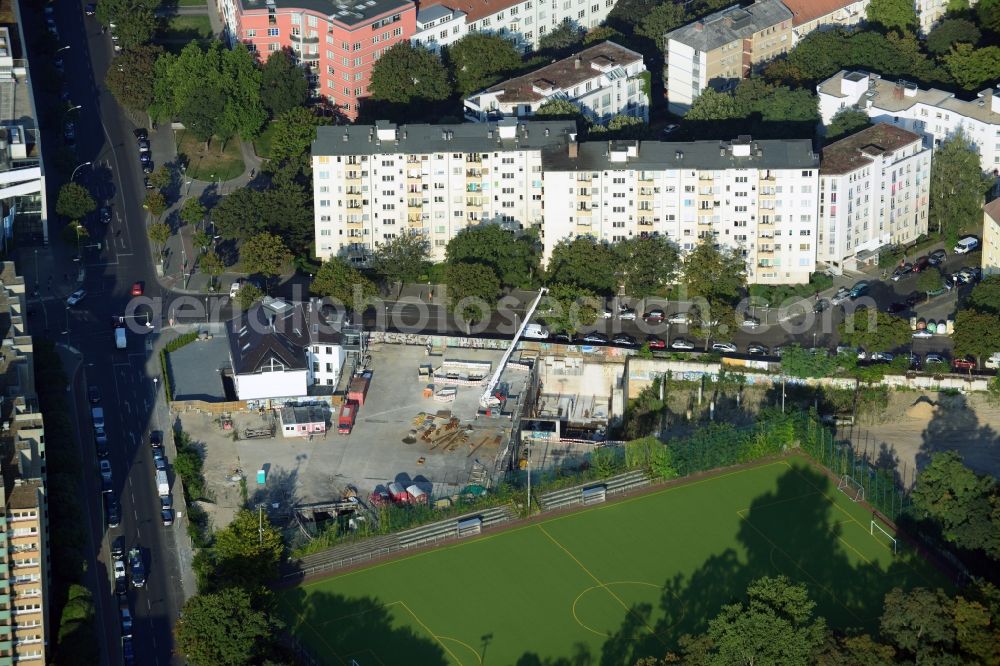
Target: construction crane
point(489, 399)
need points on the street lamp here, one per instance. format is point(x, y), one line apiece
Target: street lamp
point(74, 108)
point(62, 48)
point(78, 167)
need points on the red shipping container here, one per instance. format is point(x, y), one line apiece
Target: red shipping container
point(346, 421)
point(357, 390)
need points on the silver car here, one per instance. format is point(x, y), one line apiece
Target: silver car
point(725, 347)
point(681, 343)
point(841, 296)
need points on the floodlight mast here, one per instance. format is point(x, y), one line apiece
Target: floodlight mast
point(487, 399)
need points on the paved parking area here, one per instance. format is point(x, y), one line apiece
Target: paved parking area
point(194, 369)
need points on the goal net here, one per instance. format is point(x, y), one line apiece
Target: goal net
point(850, 487)
point(884, 534)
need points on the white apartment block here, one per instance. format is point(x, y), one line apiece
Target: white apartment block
point(929, 12)
point(720, 49)
point(934, 114)
point(874, 191)
point(438, 26)
point(604, 80)
point(524, 21)
point(373, 183)
point(759, 197)
point(991, 238)
point(810, 15)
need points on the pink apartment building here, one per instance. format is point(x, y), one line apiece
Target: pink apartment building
point(339, 41)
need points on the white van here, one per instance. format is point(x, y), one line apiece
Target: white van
point(966, 245)
point(536, 332)
point(120, 341)
point(234, 288)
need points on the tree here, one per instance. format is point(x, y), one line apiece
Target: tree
point(479, 59)
point(567, 308)
point(283, 84)
point(512, 258)
point(74, 233)
point(985, 296)
point(660, 20)
point(338, 280)
point(223, 629)
point(202, 113)
point(292, 133)
point(972, 67)
point(601, 33)
point(161, 178)
point(266, 254)
point(962, 503)
point(158, 232)
point(130, 78)
point(845, 122)
point(565, 36)
point(201, 240)
point(473, 290)
point(621, 127)
point(976, 333)
point(929, 280)
point(919, 622)
point(649, 264)
point(155, 203)
point(988, 12)
point(238, 216)
point(957, 188)
point(802, 363)
point(135, 21)
point(949, 32)
point(714, 274)
point(584, 262)
point(408, 74)
point(893, 14)
point(248, 295)
point(401, 259)
point(240, 84)
point(775, 626)
point(75, 202)
point(559, 109)
point(872, 330)
point(192, 211)
point(211, 265)
point(248, 551)
point(286, 211)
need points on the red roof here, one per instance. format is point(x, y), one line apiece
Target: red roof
point(804, 11)
point(993, 209)
point(474, 9)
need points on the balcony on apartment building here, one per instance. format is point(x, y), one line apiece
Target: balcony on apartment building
point(303, 39)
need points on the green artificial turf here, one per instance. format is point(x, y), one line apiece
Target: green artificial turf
point(612, 583)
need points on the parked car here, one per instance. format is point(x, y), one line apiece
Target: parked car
point(966, 245)
point(724, 347)
point(882, 357)
point(842, 295)
point(90, 9)
point(143, 145)
point(101, 442)
point(900, 271)
point(596, 338)
point(654, 316)
point(624, 339)
point(145, 158)
point(937, 257)
point(159, 460)
point(137, 289)
point(756, 350)
point(93, 394)
point(896, 307)
point(105, 468)
point(922, 333)
point(913, 298)
point(147, 168)
point(860, 289)
point(118, 548)
point(967, 363)
point(626, 314)
point(921, 263)
point(562, 337)
point(167, 510)
point(681, 343)
point(777, 351)
point(141, 134)
point(148, 185)
point(822, 305)
point(155, 439)
point(934, 359)
point(750, 322)
point(126, 619)
point(654, 342)
point(679, 318)
point(113, 511)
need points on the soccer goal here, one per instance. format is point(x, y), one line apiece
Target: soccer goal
point(892, 539)
point(851, 488)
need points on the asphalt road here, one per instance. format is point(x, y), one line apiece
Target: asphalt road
point(104, 138)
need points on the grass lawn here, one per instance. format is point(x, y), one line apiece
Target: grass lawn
point(185, 28)
point(210, 165)
point(612, 583)
point(262, 144)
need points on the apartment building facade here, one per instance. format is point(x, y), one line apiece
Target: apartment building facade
point(374, 183)
point(874, 191)
point(338, 41)
point(604, 80)
point(758, 197)
point(934, 114)
point(810, 15)
point(991, 238)
point(438, 26)
point(722, 48)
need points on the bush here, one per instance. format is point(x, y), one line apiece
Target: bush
point(775, 295)
point(188, 466)
point(181, 341)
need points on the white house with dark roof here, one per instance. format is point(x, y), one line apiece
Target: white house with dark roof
point(279, 349)
point(604, 80)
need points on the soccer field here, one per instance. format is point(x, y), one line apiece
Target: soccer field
point(616, 582)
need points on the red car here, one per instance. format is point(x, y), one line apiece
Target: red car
point(967, 363)
point(137, 289)
point(655, 343)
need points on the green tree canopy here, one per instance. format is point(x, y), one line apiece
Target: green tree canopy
point(976, 333)
point(238, 216)
point(479, 60)
point(161, 178)
point(973, 67)
point(898, 15)
point(919, 622)
point(74, 201)
point(240, 79)
point(660, 20)
point(210, 264)
point(248, 295)
point(874, 331)
point(202, 113)
point(408, 74)
point(248, 551)
point(621, 127)
point(473, 290)
point(964, 504)
point(649, 264)
point(958, 187)
point(845, 122)
point(192, 211)
point(564, 36)
point(158, 232)
point(266, 254)
point(601, 33)
point(223, 629)
point(567, 308)
point(514, 259)
point(584, 262)
point(135, 21)
point(293, 133)
point(338, 280)
point(802, 363)
point(559, 109)
point(716, 274)
point(988, 12)
point(985, 296)
point(130, 77)
point(401, 259)
point(155, 203)
point(929, 280)
point(283, 84)
point(949, 32)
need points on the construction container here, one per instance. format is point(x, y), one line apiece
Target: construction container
point(416, 495)
point(358, 389)
point(397, 492)
point(345, 422)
